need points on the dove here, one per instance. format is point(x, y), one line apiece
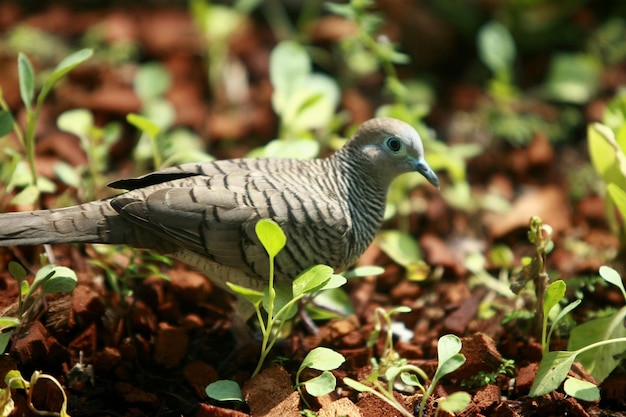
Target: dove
point(204, 214)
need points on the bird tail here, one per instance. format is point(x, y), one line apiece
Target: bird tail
point(95, 222)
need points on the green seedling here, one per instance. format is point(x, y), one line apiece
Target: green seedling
point(33, 187)
point(481, 379)
point(96, 143)
point(280, 302)
point(450, 359)
point(599, 345)
point(14, 380)
point(141, 264)
point(49, 279)
point(535, 270)
point(321, 359)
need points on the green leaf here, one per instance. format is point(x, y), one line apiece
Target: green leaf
point(335, 281)
point(329, 304)
point(68, 174)
point(410, 379)
point(399, 246)
point(224, 390)
point(77, 121)
point(321, 384)
point(448, 346)
point(292, 148)
point(449, 366)
point(323, 359)
point(611, 276)
point(455, 402)
point(27, 80)
point(364, 271)
point(143, 124)
point(602, 360)
point(27, 196)
point(253, 296)
point(6, 123)
point(17, 271)
point(552, 372)
point(63, 280)
point(356, 385)
point(289, 65)
point(271, 236)
point(65, 66)
point(618, 196)
point(312, 104)
point(311, 280)
point(496, 47)
point(283, 297)
point(152, 80)
point(5, 338)
point(606, 156)
point(8, 322)
point(573, 77)
point(582, 390)
point(14, 380)
point(554, 293)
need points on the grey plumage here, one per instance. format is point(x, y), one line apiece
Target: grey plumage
point(205, 214)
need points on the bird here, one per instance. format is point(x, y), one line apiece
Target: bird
point(204, 214)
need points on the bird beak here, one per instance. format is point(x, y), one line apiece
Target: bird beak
point(423, 168)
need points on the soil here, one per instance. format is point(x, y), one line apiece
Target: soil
point(153, 350)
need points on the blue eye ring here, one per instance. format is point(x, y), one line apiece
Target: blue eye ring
point(394, 143)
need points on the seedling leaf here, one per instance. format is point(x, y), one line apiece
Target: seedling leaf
point(144, 124)
point(66, 65)
point(271, 236)
point(8, 322)
point(552, 371)
point(63, 280)
point(611, 276)
point(251, 295)
point(311, 280)
point(554, 293)
point(224, 390)
point(17, 271)
point(323, 359)
point(321, 384)
point(6, 123)
point(455, 402)
point(600, 361)
point(27, 80)
point(583, 390)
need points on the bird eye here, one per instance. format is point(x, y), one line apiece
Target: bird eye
point(394, 144)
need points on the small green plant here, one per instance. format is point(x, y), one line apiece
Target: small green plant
point(49, 279)
point(607, 150)
point(33, 185)
point(14, 380)
point(391, 366)
point(96, 143)
point(482, 378)
point(139, 264)
point(322, 359)
point(280, 303)
point(534, 270)
point(599, 345)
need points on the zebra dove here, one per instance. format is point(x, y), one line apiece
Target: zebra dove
point(205, 214)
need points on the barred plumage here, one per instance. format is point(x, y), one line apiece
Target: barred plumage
point(205, 214)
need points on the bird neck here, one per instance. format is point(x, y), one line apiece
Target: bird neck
point(365, 195)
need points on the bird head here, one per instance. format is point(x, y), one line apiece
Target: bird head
point(390, 147)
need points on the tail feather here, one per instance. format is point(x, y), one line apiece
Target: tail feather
point(95, 222)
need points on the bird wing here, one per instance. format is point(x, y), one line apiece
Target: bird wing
point(216, 217)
